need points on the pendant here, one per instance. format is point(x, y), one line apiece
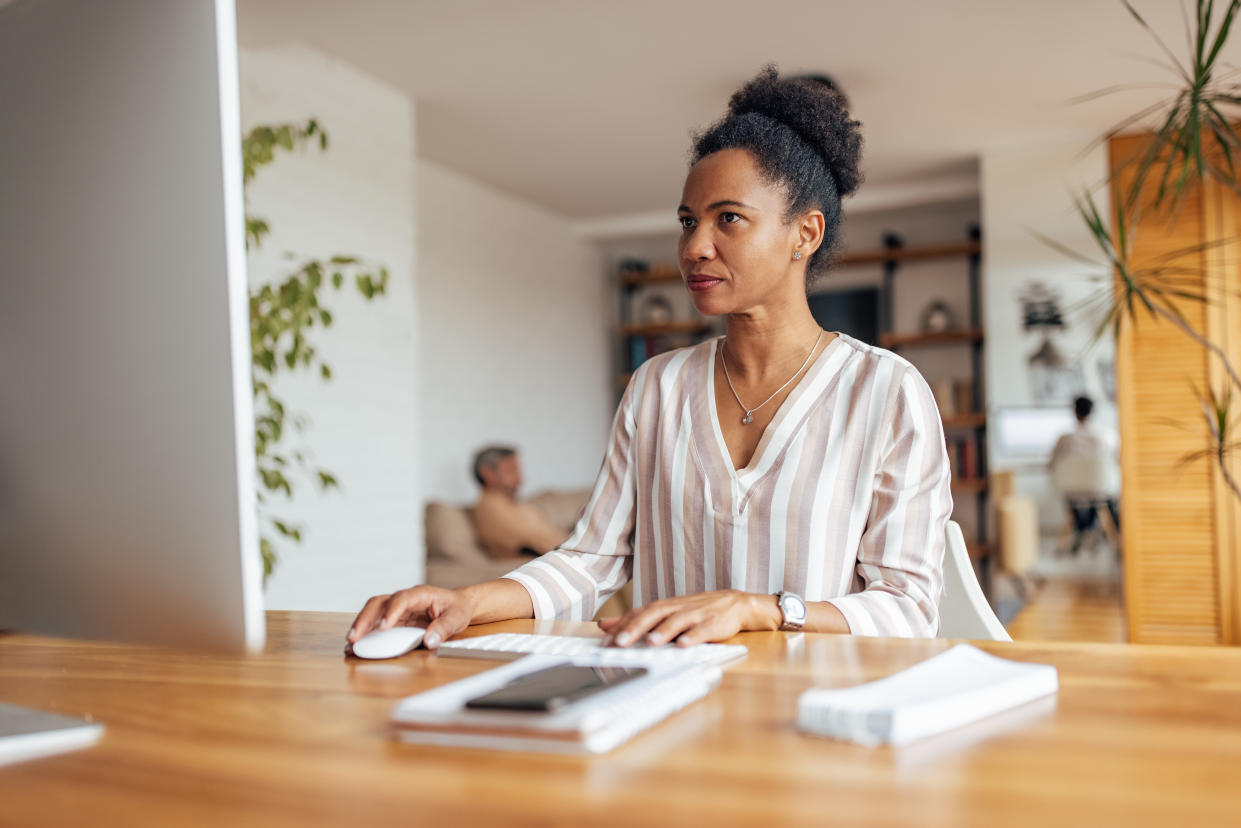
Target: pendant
point(748, 418)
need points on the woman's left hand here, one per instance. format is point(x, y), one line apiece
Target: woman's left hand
point(694, 619)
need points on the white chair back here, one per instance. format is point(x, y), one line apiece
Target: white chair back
point(963, 609)
point(1094, 475)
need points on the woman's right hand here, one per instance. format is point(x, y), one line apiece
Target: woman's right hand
point(443, 612)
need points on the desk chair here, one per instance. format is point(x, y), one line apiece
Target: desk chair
point(1089, 485)
point(963, 609)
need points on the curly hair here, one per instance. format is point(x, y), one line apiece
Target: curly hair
point(800, 133)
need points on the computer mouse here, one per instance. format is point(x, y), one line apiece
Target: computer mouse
point(389, 643)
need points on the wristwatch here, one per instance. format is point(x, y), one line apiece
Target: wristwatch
point(792, 610)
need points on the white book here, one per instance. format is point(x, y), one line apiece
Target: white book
point(595, 724)
point(952, 689)
point(27, 733)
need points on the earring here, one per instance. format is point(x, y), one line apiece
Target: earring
point(796, 254)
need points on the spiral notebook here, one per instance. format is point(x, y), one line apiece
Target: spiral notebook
point(593, 725)
point(952, 689)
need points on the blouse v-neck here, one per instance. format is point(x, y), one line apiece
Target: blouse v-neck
point(777, 434)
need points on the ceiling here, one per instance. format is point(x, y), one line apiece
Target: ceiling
point(585, 107)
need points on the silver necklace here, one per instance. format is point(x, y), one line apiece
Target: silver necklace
point(749, 412)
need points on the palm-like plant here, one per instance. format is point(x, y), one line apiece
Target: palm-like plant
point(1180, 152)
point(1222, 440)
point(1195, 140)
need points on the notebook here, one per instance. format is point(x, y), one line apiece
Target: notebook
point(951, 689)
point(27, 733)
point(595, 724)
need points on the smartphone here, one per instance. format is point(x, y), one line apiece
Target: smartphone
point(554, 687)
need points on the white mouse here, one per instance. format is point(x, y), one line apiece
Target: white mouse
point(389, 643)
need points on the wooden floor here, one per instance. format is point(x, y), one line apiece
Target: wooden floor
point(1069, 610)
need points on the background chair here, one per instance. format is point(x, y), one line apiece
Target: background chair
point(1090, 486)
point(963, 609)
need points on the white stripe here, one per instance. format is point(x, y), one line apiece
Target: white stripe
point(572, 595)
point(624, 419)
point(780, 504)
point(876, 440)
point(667, 391)
point(679, 457)
point(741, 540)
point(544, 607)
point(611, 540)
point(819, 541)
point(895, 537)
point(708, 541)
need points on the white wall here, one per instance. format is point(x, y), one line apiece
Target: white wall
point(1026, 190)
point(355, 198)
point(513, 337)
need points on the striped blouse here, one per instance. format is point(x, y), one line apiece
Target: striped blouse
point(845, 499)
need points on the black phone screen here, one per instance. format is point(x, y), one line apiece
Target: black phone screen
point(554, 687)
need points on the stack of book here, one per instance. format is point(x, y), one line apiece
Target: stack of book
point(595, 724)
point(952, 689)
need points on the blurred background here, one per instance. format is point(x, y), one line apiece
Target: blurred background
point(516, 167)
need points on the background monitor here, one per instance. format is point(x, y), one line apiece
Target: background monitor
point(853, 311)
point(127, 502)
point(1031, 432)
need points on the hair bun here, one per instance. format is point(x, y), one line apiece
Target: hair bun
point(813, 109)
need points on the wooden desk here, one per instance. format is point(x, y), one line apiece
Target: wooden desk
point(297, 736)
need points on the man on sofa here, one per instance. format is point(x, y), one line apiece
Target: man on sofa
point(505, 525)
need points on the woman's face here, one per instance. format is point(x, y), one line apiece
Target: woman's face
point(736, 250)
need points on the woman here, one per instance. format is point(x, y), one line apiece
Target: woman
point(780, 478)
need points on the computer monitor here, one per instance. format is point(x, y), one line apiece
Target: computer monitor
point(853, 311)
point(1030, 432)
point(127, 496)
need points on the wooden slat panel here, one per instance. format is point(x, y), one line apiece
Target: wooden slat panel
point(1168, 514)
point(1222, 217)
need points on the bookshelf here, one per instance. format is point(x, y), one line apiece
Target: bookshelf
point(964, 426)
point(640, 339)
point(961, 403)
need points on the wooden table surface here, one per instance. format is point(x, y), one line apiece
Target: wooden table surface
point(297, 736)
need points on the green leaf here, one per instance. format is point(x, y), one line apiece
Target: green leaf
point(325, 371)
point(268, 553)
point(327, 480)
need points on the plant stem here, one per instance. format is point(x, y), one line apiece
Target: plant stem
point(1188, 330)
point(1184, 327)
point(1228, 478)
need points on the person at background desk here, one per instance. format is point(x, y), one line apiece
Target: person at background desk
point(506, 526)
point(1085, 470)
point(781, 477)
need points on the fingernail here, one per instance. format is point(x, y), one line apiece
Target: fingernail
point(623, 639)
point(655, 638)
point(431, 640)
point(352, 631)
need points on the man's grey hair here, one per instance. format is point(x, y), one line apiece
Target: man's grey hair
point(488, 458)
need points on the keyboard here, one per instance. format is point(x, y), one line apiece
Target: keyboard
point(509, 646)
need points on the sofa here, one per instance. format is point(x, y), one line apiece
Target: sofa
point(456, 559)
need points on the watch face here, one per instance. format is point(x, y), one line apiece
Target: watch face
point(793, 607)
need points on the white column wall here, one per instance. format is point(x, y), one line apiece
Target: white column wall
point(356, 198)
point(514, 336)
